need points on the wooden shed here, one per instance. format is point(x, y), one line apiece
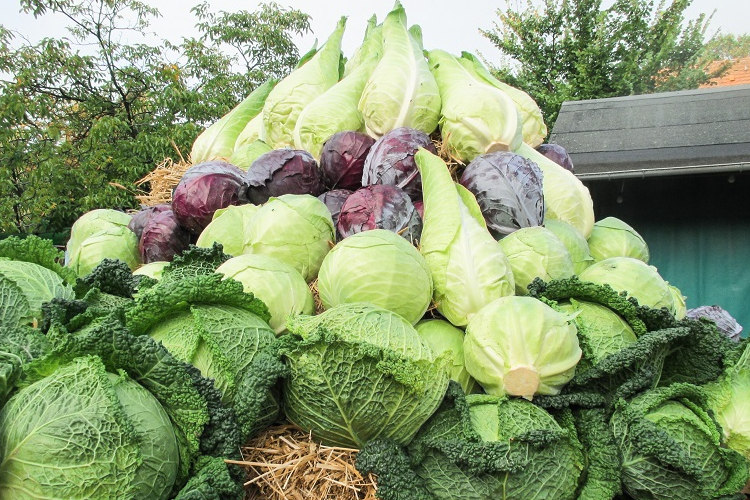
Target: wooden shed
point(676, 167)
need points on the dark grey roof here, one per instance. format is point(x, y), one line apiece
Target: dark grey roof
point(667, 133)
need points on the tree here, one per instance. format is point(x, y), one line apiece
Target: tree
point(575, 49)
point(730, 46)
point(84, 117)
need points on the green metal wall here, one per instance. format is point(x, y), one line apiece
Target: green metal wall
point(697, 229)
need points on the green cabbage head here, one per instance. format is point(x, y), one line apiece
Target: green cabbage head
point(671, 447)
point(84, 433)
point(520, 346)
point(574, 241)
point(379, 267)
point(358, 372)
point(638, 279)
point(117, 242)
point(612, 237)
point(278, 285)
point(296, 229)
point(480, 447)
point(444, 337)
point(535, 252)
point(90, 223)
point(229, 227)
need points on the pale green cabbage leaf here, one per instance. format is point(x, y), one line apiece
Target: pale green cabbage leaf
point(469, 269)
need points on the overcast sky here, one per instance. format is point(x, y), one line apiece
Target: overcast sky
point(452, 25)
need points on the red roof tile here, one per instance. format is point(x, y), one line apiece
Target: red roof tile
point(737, 74)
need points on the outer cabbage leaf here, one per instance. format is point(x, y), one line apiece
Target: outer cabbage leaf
point(218, 140)
point(358, 373)
point(39, 251)
point(24, 286)
point(638, 279)
point(337, 109)
point(443, 337)
point(373, 41)
point(229, 227)
point(534, 130)
point(245, 155)
point(476, 118)
point(729, 398)
point(303, 85)
point(252, 133)
point(401, 91)
point(469, 269)
point(565, 196)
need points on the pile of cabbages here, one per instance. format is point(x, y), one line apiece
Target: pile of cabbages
point(383, 253)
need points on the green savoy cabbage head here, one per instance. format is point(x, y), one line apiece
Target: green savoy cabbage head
point(358, 372)
point(638, 279)
point(379, 267)
point(521, 346)
point(109, 438)
point(481, 447)
point(278, 285)
point(444, 337)
point(294, 228)
point(671, 447)
point(535, 252)
point(612, 237)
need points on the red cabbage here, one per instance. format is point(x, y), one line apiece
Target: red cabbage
point(379, 207)
point(282, 171)
point(343, 159)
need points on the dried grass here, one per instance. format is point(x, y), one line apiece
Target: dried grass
point(319, 307)
point(161, 181)
point(284, 463)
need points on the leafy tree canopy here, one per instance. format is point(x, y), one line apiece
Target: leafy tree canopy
point(563, 50)
point(83, 117)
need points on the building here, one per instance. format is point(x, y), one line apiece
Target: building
point(676, 167)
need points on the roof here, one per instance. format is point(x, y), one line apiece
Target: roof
point(669, 133)
point(737, 74)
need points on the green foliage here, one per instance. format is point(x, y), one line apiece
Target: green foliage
point(577, 49)
point(727, 46)
point(82, 118)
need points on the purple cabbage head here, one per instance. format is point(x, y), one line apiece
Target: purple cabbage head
point(204, 189)
point(282, 171)
point(140, 219)
point(391, 160)
point(558, 154)
point(508, 188)
point(334, 200)
point(343, 159)
point(381, 206)
point(724, 321)
point(163, 238)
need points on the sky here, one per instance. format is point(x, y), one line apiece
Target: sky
point(451, 25)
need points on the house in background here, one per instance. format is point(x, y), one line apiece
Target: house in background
point(737, 74)
point(676, 167)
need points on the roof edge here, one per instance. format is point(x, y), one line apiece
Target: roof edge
point(661, 172)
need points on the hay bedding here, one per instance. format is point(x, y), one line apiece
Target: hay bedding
point(284, 463)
